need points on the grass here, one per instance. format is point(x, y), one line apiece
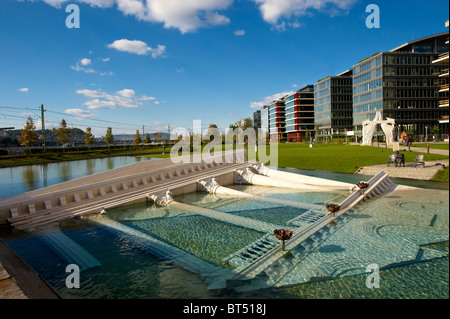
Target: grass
point(338, 157)
point(441, 176)
point(434, 146)
point(334, 157)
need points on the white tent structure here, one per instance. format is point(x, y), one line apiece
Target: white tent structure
point(369, 127)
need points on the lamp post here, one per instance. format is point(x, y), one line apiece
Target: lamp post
point(426, 133)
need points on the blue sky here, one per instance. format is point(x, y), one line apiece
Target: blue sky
point(160, 62)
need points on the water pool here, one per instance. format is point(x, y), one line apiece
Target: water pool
point(403, 231)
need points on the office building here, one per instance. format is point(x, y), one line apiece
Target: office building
point(299, 108)
point(333, 107)
point(277, 120)
point(444, 83)
point(257, 120)
point(402, 84)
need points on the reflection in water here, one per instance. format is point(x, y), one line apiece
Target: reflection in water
point(65, 171)
point(90, 167)
point(109, 163)
point(29, 177)
point(45, 174)
point(21, 179)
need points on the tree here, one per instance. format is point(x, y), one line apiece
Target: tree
point(28, 136)
point(63, 133)
point(89, 137)
point(147, 139)
point(137, 138)
point(435, 131)
point(109, 137)
point(248, 122)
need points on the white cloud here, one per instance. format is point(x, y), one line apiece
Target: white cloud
point(269, 99)
point(23, 90)
point(80, 66)
point(127, 93)
point(85, 61)
point(108, 73)
point(137, 47)
point(92, 3)
point(55, 3)
point(273, 10)
point(184, 15)
point(239, 32)
point(106, 59)
point(125, 98)
point(80, 114)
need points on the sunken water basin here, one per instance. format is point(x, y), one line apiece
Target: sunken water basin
point(404, 232)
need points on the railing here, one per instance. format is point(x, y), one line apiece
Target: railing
point(443, 102)
point(443, 55)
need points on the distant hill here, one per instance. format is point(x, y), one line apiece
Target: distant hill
point(50, 134)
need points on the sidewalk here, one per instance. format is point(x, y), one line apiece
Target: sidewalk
point(424, 150)
point(409, 171)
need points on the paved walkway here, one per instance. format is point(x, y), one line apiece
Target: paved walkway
point(409, 171)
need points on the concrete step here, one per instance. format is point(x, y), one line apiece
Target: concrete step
point(68, 250)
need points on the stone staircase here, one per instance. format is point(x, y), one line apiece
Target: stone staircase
point(67, 249)
point(309, 217)
point(252, 251)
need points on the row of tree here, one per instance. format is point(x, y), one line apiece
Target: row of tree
point(29, 137)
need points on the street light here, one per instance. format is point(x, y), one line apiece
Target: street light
point(426, 133)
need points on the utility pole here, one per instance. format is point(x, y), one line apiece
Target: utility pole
point(43, 128)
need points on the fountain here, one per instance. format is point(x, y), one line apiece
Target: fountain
point(362, 186)
point(283, 235)
point(333, 208)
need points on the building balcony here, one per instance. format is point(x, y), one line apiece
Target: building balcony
point(444, 73)
point(444, 88)
point(443, 103)
point(442, 58)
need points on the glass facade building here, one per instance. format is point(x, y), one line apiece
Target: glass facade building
point(257, 120)
point(443, 58)
point(265, 121)
point(402, 84)
point(333, 111)
point(277, 119)
point(299, 108)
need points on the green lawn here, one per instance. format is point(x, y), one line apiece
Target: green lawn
point(338, 157)
point(441, 176)
point(435, 146)
point(334, 157)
